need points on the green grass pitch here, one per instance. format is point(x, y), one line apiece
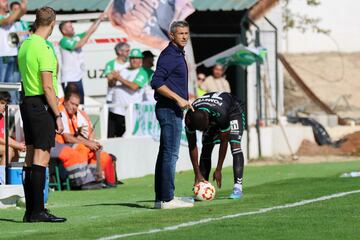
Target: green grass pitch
point(127, 209)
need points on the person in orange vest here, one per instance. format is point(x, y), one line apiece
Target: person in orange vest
point(78, 133)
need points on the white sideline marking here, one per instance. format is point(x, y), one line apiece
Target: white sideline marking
point(206, 220)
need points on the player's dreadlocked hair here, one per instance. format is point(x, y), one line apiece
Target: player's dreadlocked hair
point(197, 120)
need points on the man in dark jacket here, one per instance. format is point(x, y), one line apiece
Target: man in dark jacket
point(170, 82)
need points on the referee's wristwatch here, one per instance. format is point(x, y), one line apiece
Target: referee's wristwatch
point(58, 116)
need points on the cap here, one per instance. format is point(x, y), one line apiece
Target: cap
point(135, 53)
point(148, 53)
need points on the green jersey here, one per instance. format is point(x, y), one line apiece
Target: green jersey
point(73, 63)
point(113, 65)
point(149, 73)
point(141, 78)
point(51, 46)
point(70, 43)
point(35, 56)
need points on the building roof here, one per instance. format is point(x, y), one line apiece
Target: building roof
point(68, 6)
point(221, 5)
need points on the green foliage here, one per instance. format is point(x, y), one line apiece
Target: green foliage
point(302, 22)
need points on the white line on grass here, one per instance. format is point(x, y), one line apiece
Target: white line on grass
point(206, 220)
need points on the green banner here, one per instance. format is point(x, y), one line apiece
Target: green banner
point(146, 124)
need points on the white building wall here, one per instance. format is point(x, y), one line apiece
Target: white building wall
point(341, 17)
point(135, 162)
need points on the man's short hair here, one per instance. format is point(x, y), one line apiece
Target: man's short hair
point(197, 120)
point(120, 46)
point(147, 54)
point(44, 16)
point(5, 96)
point(14, 3)
point(218, 65)
point(61, 25)
point(174, 25)
point(71, 90)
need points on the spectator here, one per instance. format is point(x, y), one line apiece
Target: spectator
point(114, 66)
point(22, 27)
point(14, 146)
point(72, 68)
point(9, 70)
point(148, 63)
point(216, 82)
point(127, 90)
point(76, 146)
point(200, 80)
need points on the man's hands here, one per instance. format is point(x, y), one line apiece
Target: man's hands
point(199, 178)
point(96, 24)
point(59, 125)
point(114, 77)
point(167, 92)
point(94, 146)
point(102, 16)
point(184, 105)
point(217, 177)
point(21, 147)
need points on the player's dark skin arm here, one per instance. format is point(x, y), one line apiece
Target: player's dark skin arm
point(224, 138)
point(194, 156)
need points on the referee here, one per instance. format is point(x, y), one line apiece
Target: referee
point(39, 112)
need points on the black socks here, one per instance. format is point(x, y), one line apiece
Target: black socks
point(37, 187)
point(238, 167)
point(27, 189)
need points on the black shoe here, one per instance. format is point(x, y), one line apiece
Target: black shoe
point(109, 185)
point(45, 216)
point(49, 213)
point(92, 186)
point(26, 217)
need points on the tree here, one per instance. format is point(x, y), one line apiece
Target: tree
point(302, 22)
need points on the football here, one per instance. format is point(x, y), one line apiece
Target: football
point(204, 191)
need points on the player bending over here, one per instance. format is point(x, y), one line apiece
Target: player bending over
point(220, 116)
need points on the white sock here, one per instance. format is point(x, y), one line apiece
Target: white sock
point(239, 186)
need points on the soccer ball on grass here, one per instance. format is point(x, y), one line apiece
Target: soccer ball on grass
point(204, 191)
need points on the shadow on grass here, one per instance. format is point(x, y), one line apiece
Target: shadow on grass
point(130, 205)
point(10, 220)
point(146, 201)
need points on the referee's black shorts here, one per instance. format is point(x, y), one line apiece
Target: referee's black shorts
point(39, 122)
